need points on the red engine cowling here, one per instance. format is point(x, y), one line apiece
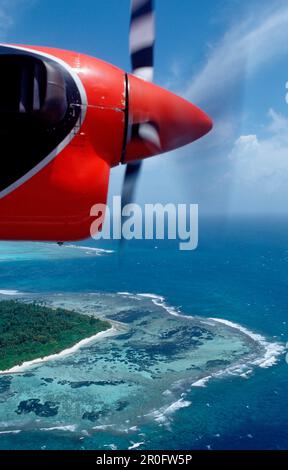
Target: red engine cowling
point(65, 120)
point(52, 199)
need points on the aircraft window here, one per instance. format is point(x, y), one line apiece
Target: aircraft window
point(30, 86)
point(39, 107)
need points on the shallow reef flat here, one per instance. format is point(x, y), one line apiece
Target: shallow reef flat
point(29, 251)
point(140, 373)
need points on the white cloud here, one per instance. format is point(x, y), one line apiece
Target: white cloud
point(243, 50)
point(261, 164)
point(278, 122)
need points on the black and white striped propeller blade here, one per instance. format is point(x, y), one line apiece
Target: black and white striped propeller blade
point(142, 39)
point(132, 174)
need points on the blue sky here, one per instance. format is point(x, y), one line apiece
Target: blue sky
point(228, 56)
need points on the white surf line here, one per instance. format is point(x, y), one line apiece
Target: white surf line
point(103, 427)
point(162, 414)
point(160, 302)
point(16, 431)
point(135, 445)
point(272, 350)
point(21, 367)
point(10, 292)
point(238, 370)
point(68, 427)
point(88, 248)
point(71, 246)
point(202, 382)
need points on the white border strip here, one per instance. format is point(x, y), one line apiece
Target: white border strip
point(69, 137)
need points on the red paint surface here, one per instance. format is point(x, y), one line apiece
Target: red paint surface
point(55, 203)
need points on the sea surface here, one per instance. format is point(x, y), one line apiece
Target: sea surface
point(196, 358)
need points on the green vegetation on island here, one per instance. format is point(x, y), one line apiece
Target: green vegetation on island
point(30, 330)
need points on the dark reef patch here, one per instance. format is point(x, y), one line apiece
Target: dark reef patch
point(93, 416)
point(127, 335)
point(129, 316)
point(33, 405)
point(217, 362)
point(48, 380)
point(88, 383)
point(121, 405)
point(5, 383)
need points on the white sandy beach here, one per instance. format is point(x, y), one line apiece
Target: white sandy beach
point(21, 367)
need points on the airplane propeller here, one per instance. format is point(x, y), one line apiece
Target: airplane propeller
point(158, 121)
point(142, 40)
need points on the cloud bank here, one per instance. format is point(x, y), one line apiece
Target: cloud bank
point(262, 163)
point(245, 49)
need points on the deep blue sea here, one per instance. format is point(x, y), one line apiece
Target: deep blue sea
point(239, 273)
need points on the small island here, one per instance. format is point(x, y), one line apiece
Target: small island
point(29, 331)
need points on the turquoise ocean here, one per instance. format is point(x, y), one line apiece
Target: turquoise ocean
point(171, 375)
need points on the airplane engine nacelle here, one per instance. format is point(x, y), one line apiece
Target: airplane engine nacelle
point(65, 120)
point(62, 117)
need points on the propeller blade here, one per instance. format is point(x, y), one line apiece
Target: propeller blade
point(142, 40)
point(132, 174)
point(148, 132)
point(131, 177)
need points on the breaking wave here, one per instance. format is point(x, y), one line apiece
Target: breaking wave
point(271, 350)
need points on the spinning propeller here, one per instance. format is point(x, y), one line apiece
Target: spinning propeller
point(158, 120)
point(142, 40)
